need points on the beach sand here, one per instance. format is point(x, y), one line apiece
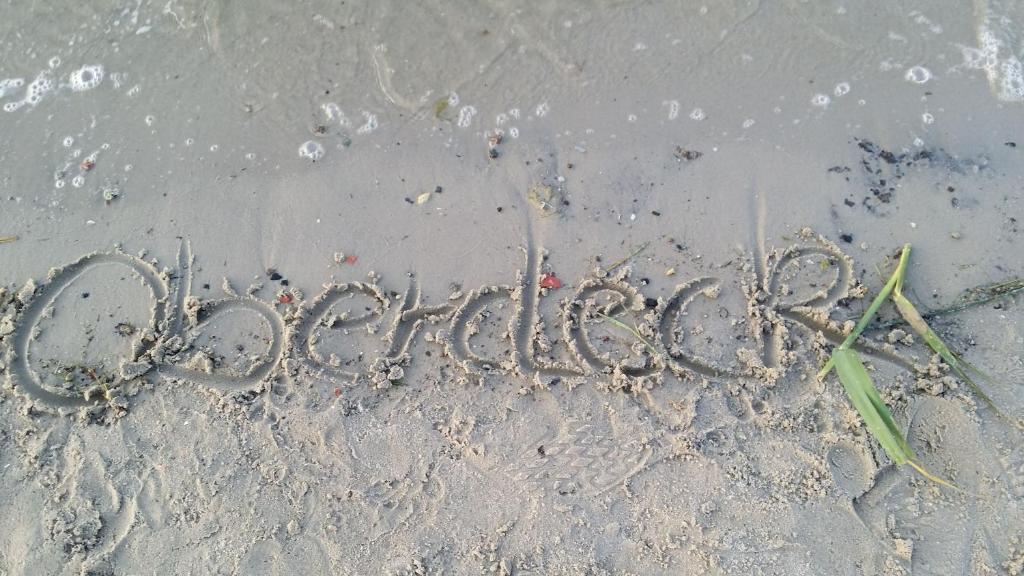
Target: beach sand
point(326, 288)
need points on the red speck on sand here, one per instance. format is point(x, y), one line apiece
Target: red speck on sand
point(550, 281)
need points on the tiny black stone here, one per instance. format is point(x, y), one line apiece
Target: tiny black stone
point(650, 303)
point(1011, 144)
point(284, 282)
point(85, 294)
point(846, 238)
point(206, 286)
point(438, 190)
point(500, 208)
point(849, 202)
point(655, 212)
point(492, 153)
point(645, 281)
point(275, 276)
point(409, 200)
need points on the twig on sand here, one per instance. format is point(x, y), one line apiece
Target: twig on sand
point(622, 261)
point(634, 331)
point(6, 239)
point(970, 298)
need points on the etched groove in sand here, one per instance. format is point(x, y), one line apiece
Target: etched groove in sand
point(410, 319)
point(23, 376)
point(315, 315)
point(523, 325)
point(158, 347)
point(593, 342)
point(464, 324)
point(204, 314)
point(584, 309)
point(672, 312)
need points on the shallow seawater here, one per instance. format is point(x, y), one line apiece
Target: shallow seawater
point(521, 288)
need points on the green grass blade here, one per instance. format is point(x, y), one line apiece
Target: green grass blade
point(869, 405)
point(896, 277)
point(955, 362)
point(877, 417)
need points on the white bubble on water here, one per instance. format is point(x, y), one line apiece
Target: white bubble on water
point(541, 110)
point(54, 62)
point(189, 141)
point(918, 142)
point(514, 112)
point(39, 87)
point(513, 132)
point(68, 142)
point(697, 114)
point(500, 119)
point(631, 118)
point(369, 124)
point(150, 119)
point(335, 114)
point(927, 118)
point(673, 108)
point(312, 150)
point(86, 78)
point(466, 114)
point(748, 122)
point(214, 148)
point(841, 89)
point(9, 83)
point(78, 181)
point(917, 75)
point(820, 100)
point(58, 183)
point(920, 18)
